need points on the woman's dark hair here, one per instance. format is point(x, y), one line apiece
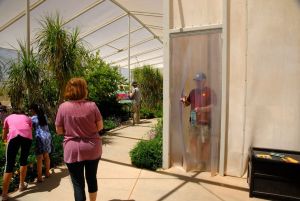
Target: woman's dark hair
point(40, 114)
point(17, 111)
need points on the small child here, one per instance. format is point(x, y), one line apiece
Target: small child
point(43, 140)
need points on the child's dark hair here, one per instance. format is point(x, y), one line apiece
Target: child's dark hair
point(40, 114)
point(17, 111)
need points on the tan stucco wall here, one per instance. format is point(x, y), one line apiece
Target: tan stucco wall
point(195, 13)
point(237, 65)
point(264, 71)
point(264, 82)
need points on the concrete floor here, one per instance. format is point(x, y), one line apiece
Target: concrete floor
point(119, 181)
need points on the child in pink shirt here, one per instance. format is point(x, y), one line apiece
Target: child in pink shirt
point(17, 132)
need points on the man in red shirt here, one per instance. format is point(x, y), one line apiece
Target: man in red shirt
point(201, 99)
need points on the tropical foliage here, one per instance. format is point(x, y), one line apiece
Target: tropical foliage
point(103, 82)
point(62, 51)
point(23, 78)
point(150, 82)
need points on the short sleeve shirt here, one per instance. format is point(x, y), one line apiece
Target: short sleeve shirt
point(18, 124)
point(136, 95)
point(202, 98)
point(81, 138)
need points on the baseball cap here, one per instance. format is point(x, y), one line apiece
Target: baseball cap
point(200, 77)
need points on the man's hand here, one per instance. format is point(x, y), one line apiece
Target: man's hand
point(183, 99)
point(200, 109)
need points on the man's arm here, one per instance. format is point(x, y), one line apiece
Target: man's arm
point(204, 109)
point(132, 94)
point(186, 100)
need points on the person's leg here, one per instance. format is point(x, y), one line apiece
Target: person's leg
point(91, 178)
point(47, 164)
point(76, 171)
point(134, 111)
point(25, 148)
point(138, 114)
point(39, 167)
point(205, 147)
point(11, 153)
point(5, 185)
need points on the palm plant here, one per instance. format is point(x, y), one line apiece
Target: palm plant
point(60, 50)
point(23, 78)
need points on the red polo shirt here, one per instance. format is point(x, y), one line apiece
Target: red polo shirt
point(202, 98)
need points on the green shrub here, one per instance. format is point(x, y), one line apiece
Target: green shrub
point(57, 153)
point(150, 82)
point(111, 123)
point(148, 154)
point(103, 81)
point(146, 113)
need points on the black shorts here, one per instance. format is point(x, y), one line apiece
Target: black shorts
point(12, 149)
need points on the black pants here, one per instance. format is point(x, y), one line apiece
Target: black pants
point(12, 151)
point(77, 170)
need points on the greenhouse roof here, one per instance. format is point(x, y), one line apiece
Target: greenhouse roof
point(103, 25)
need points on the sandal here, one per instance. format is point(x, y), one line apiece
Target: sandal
point(5, 198)
point(39, 180)
point(23, 187)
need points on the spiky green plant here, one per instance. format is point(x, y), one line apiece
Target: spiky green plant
point(61, 50)
point(23, 78)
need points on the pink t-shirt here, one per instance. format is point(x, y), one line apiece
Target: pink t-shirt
point(18, 124)
point(81, 139)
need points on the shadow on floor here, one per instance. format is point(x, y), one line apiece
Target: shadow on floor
point(48, 185)
point(185, 180)
point(120, 200)
point(192, 179)
point(117, 134)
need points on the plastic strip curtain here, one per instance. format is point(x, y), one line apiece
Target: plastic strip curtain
point(195, 100)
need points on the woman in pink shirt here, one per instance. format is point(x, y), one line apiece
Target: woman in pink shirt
point(17, 132)
point(80, 121)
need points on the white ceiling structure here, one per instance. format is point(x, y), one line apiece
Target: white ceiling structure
point(103, 25)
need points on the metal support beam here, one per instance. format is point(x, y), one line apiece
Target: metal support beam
point(115, 39)
point(131, 46)
point(28, 26)
point(150, 59)
point(154, 27)
point(89, 7)
point(166, 83)
point(127, 11)
point(139, 54)
point(156, 63)
point(152, 65)
point(93, 30)
point(147, 14)
point(113, 47)
point(224, 103)
point(200, 28)
point(20, 15)
point(129, 38)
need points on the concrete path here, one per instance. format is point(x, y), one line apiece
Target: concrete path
point(119, 181)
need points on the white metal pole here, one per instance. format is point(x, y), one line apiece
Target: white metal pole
point(224, 107)
point(28, 25)
point(166, 86)
point(129, 36)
